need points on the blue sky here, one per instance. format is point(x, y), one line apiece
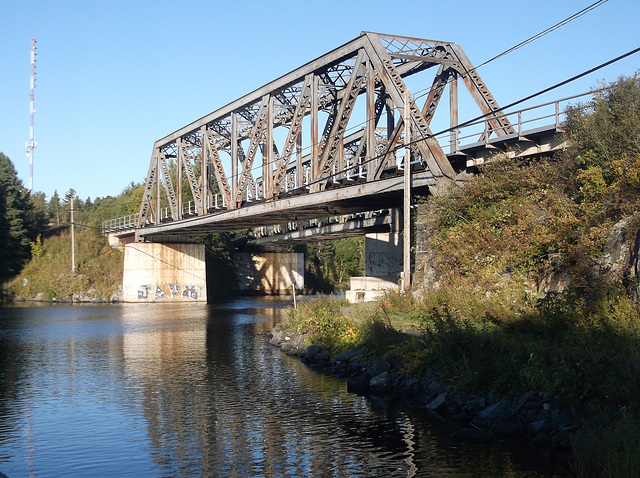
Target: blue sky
point(114, 76)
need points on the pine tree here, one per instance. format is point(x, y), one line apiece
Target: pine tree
point(16, 225)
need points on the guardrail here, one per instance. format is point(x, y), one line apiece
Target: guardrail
point(120, 223)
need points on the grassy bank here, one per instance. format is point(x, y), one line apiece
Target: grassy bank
point(98, 268)
point(585, 356)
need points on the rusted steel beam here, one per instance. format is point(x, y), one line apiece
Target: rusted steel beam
point(257, 133)
point(334, 141)
point(293, 134)
point(321, 96)
point(481, 94)
point(211, 154)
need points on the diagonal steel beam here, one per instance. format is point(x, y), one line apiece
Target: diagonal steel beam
point(429, 148)
point(336, 136)
point(191, 177)
point(294, 131)
point(481, 94)
point(210, 153)
point(258, 131)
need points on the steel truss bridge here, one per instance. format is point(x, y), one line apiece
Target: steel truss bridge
point(323, 145)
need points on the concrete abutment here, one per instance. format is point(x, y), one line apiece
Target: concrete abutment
point(155, 272)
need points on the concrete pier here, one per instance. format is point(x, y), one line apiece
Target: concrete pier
point(383, 267)
point(270, 273)
point(164, 273)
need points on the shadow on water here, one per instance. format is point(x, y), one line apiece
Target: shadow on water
point(168, 390)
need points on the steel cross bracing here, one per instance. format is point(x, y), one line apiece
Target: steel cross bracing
point(332, 122)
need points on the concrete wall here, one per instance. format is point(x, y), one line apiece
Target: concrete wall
point(364, 289)
point(383, 267)
point(164, 273)
point(270, 273)
point(383, 255)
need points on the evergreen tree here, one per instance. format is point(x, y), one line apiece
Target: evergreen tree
point(17, 228)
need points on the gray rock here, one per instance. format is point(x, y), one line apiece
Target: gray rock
point(350, 355)
point(492, 414)
point(520, 402)
point(438, 401)
point(276, 337)
point(379, 383)
point(538, 427)
point(435, 386)
point(311, 351)
point(376, 365)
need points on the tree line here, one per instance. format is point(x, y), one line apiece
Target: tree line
point(27, 219)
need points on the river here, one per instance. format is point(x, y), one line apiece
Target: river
point(158, 390)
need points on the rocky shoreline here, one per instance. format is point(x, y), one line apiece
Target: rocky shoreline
point(88, 297)
point(531, 417)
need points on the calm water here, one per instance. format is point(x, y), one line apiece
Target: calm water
point(164, 390)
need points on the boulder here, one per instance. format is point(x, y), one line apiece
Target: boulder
point(311, 351)
point(438, 401)
point(350, 355)
point(495, 413)
point(379, 383)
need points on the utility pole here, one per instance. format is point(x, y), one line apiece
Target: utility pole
point(73, 239)
point(406, 231)
point(31, 144)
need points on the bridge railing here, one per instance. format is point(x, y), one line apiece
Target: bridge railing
point(120, 223)
point(545, 115)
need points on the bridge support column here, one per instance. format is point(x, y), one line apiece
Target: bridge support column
point(164, 273)
point(270, 273)
point(383, 267)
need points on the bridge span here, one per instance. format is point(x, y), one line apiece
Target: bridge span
point(328, 142)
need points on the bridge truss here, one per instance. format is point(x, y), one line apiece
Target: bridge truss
point(329, 125)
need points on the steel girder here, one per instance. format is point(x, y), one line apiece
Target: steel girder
point(215, 164)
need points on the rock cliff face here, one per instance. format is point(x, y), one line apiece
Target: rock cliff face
point(619, 261)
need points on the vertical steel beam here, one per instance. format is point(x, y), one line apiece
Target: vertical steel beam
point(180, 159)
point(315, 142)
point(406, 229)
point(158, 169)
point(453, 112)
point(267, 157)
point(235, 160)
point(370, 125)
point(204, 174)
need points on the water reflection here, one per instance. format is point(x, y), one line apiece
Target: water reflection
point(175, 390)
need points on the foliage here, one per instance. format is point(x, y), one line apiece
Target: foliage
point(329, 265)
point(20, 221)
point(98, 267)
point(322, 319)
point(609, 449)
point(488, 326)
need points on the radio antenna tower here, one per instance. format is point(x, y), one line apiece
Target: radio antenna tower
point(31, 144)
